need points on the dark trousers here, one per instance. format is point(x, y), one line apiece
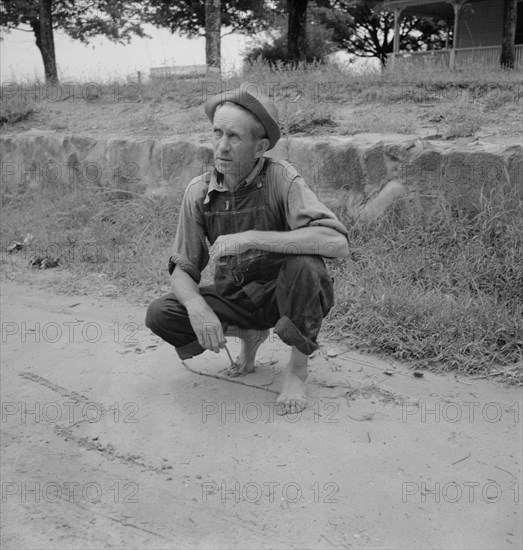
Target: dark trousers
point(294, 303)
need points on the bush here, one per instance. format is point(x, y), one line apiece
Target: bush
point(274, 52)
point(14, 109)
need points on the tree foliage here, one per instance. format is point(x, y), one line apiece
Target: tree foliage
point(360, 27)
point(82, 20)
point(365, 29)
point(317, 43)
point(188, 16)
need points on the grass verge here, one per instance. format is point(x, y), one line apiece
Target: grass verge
point(436, 287)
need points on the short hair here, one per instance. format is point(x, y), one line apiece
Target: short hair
point(257, 128)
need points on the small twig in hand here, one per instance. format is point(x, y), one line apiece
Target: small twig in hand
point(229, 354)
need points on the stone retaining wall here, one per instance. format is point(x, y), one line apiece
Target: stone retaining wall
point(360, 175)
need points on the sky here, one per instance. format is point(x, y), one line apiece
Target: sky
point(102, 60)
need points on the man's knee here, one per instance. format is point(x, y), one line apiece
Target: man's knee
point(156, 313)
point(307, 276)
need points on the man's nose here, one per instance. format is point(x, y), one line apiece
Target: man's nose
point(223, 144)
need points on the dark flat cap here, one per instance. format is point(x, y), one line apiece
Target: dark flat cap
point(253, 101)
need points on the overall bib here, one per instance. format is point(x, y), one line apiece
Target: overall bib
point(254, 290)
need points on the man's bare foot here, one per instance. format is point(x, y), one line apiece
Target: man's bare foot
point(292, 398)
point(251, 340)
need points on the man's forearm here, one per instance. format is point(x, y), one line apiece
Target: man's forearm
point(204, 321)
point(184, 287)
point(316, 240)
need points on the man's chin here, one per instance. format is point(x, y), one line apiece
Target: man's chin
point(225, 167)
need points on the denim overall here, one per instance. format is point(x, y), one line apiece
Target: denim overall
point(254, 290)
point(245, 209)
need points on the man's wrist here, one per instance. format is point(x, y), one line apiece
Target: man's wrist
point(193, 300)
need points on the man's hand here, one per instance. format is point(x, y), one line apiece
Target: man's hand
point(231, 245)
point(206, 325)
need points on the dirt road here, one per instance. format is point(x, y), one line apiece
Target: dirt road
point(109, 442)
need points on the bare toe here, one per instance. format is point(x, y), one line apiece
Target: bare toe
point(292, 399)
point(291, 406)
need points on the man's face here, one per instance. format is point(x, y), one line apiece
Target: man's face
point(235, 149)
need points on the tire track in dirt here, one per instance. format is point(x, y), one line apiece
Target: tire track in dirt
point(90, 444)
point(64, 392)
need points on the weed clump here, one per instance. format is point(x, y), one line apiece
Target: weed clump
point(127, 240)
point(440, 287)
point(15, 109)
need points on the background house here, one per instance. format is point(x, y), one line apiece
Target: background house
point(477, 29)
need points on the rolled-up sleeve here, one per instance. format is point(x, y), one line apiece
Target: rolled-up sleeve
point(303, 209)
point(301, 206)
point(190, 251)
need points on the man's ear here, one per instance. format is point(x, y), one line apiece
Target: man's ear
point(261, 147)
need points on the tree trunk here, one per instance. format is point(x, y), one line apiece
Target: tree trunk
point(212, 34)
point(509, 34)
point(45, 39)
point(296, 29)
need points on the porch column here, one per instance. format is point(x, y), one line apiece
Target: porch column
point(457, 5)
point(396, 42)
point(508, 39)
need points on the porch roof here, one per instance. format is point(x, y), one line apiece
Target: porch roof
point(428, 8)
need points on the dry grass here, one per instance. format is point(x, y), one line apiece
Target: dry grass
point(440, 287)
point(312, 98)
point(126, 240)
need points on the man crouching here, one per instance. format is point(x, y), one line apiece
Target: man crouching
point(268, 233)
